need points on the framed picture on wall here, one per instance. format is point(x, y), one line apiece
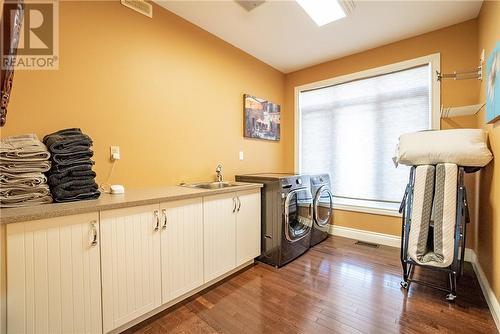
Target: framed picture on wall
point(493, 86)
point(262, 118)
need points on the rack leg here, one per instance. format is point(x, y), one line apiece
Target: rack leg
point(404, 283)
point(453, 287)
point(406, 275)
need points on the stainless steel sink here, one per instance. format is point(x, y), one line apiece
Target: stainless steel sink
point(210, 185)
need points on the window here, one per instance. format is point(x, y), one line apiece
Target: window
point(350, 129)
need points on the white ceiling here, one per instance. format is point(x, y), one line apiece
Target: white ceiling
point(282, 35)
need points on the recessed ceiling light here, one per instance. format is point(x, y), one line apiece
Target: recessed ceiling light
point(323, 11)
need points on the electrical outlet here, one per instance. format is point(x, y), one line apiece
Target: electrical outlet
point(241, 155)
point(115, 153)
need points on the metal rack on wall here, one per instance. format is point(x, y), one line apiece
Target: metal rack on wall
point(477, 74)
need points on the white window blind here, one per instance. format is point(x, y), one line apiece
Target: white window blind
point(350, 131)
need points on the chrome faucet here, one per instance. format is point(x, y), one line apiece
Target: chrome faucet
point(218, 172)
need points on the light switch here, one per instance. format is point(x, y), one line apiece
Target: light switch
point(241, 155)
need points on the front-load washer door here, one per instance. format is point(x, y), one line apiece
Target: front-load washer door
point(323, 206)
point(298, 215)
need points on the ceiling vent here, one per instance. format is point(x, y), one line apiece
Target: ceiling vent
point(249, 5)
point(139, 6)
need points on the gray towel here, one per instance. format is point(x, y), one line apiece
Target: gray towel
point(72, 159)
point(67, 141)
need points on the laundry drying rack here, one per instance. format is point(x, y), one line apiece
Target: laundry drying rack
point(455, 270)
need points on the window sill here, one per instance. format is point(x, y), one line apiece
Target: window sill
point(370, 210)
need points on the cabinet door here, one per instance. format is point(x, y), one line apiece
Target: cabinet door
point(219, 235)
point(53, 276)
point(130, 253)
point(181, 247)
point(248, 226)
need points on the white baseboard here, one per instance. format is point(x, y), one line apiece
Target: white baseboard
point(367, 236)
point(490, 297)
point(469, 255)
point(380, 238)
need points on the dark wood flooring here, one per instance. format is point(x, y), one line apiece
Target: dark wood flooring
point(336, 287)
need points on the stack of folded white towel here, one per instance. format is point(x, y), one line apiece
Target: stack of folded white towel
point(23, 160)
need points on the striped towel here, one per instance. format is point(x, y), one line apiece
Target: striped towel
point(433, 217)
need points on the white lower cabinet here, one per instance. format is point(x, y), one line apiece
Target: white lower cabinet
point(130, 255)
point(248, 226)
point(53, 276)
point(93, 273)
point(181, 247)
point(231, 231)
point(219, 235)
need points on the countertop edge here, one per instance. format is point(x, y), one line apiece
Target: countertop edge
point(80, 207)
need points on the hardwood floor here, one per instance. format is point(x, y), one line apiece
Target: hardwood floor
point(336, 287)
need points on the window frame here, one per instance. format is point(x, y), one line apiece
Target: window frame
point(434, 62)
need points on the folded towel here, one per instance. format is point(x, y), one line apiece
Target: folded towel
point(23, 159)
point(78, 170)
point(82, 196)
point(71, 177)
point(75, 190)
point(20, 189)
point(32, 179)
point(56, 168)
point(70, 170)
point(85, 176)
point(24, 195)
point(67, 141)
point(24, 166)
point(23, 148)
point(66, 159)
point(24, 200)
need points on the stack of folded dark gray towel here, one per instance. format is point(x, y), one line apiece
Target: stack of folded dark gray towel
point(71, 177)
point(23, 160)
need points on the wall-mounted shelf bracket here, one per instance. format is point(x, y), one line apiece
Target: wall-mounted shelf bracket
point(473, 74)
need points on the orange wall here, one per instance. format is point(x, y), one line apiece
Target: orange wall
point(169, 93)
point(488, 250)
point(458, 47)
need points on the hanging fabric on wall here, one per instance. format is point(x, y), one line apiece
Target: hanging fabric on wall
point(11, 25)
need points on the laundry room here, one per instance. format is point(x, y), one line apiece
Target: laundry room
point(271, 166)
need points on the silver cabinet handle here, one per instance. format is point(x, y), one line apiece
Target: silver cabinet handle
point(234, 204)
point(164, 211)
point(93, 227)
point(157, 226)
point(239, 203)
